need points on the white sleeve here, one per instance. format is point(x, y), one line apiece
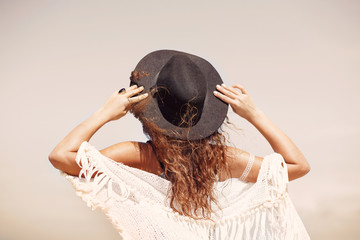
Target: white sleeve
point(274, 174)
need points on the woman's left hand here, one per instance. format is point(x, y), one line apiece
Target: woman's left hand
point(238, 98)
point(120, 103)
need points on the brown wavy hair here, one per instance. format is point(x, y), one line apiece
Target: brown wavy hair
point(192, 166)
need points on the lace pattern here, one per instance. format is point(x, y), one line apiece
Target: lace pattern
point(136, 202)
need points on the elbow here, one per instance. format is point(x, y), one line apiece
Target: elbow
point(305, 169)
point(299, 171)
point(55, 159)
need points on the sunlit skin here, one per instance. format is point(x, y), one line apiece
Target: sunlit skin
point(141, 155)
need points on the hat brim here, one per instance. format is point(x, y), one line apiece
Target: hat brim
point(213, 112)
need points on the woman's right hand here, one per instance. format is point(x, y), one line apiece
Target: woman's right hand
point(240, 101)
point(120, 103)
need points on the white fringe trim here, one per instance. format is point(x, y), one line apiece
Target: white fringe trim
point(87, 188)
point(90, 161)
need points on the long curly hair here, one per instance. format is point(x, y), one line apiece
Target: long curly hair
point(192, 166)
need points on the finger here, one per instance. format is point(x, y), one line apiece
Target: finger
point(223, 97)
point(132, 87)
point(135, 90)
point(127, 90)
point(241, 88)
point(138, 98)
point(231, 89)
point(225, 91)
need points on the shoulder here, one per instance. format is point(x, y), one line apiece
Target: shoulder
point(134, 154)
point(237, 161)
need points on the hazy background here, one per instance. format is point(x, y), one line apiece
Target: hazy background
point(61, 60)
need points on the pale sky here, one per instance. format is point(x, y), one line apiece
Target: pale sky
point(60, 61)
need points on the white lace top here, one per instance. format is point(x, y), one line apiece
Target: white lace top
point(136, 202)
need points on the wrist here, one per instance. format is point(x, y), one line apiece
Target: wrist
point(101, 116)
point(255, 115)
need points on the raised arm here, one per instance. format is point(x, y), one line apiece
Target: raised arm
point(63, 155)
point(243, 105)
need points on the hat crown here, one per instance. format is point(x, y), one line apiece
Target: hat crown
point(191, 81)
point(181, 91)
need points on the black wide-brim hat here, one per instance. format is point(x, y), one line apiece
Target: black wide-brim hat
point(175, 81)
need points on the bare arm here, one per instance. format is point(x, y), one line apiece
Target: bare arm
point(243, 105)
point(63, 155)
point(280, 143)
